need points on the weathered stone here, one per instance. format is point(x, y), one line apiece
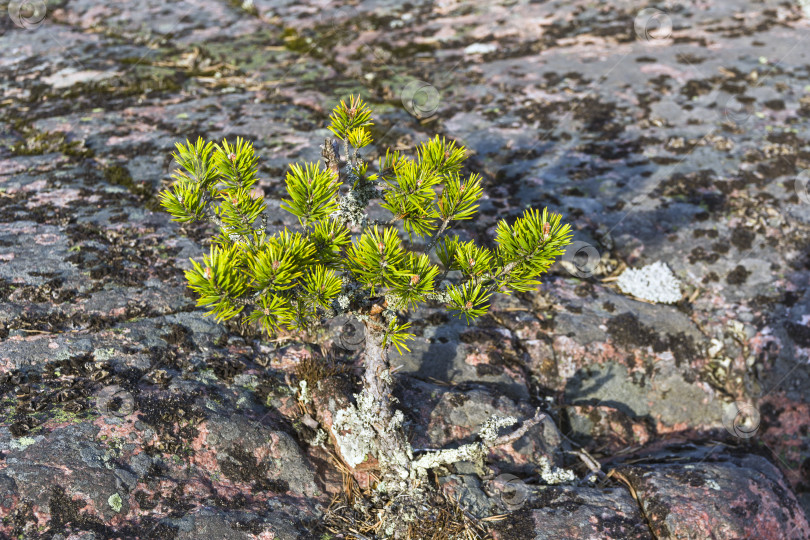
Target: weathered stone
point(704, 492)
point(605, 428)
point(575, 513)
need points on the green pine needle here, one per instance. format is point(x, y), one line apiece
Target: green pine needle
point(359, 137)
point(312, 192)
point(272, 313)
point(469, 299)
point(528, 248)
point(441, 157)
point(471, 259)
point(236, 164)
point(414, 281)
point(396, 336)
point(218, 282)
point(195, 160)
point(346, 118)
point(322, 285)
point(375, 257)
point(184, 201)
point(459, 199)
point(239, 210)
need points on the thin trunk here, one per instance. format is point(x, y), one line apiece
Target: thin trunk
point(394, 452)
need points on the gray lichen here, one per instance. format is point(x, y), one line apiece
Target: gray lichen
point(554, 475)
point(352, 206)
point(489, 430)
point(354, 431)
point(386, 377)
point(474, 452)
point(22, 443)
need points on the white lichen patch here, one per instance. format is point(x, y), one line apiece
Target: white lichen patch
point(481, 48)
point(489, 430)
point(654, 282)
point(354, 434)
point(303, 393)
point(474, 453)
point(554, 475)
point(396, 420)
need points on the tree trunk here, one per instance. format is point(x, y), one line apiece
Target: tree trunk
point(394, 453)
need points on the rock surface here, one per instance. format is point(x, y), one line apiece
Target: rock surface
point(678, 136)
point(704, 493)
point(576, 514)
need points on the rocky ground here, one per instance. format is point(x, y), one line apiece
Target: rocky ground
point(678, 135)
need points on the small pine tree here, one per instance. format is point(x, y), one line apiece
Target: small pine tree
point(341, 262)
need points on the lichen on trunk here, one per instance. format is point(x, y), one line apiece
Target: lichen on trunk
point(373, 427)
point(393, 452)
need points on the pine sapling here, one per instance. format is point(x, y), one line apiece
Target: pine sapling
point(342, 263)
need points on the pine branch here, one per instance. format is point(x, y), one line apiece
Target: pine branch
point(436, 237)
point(312, 193)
